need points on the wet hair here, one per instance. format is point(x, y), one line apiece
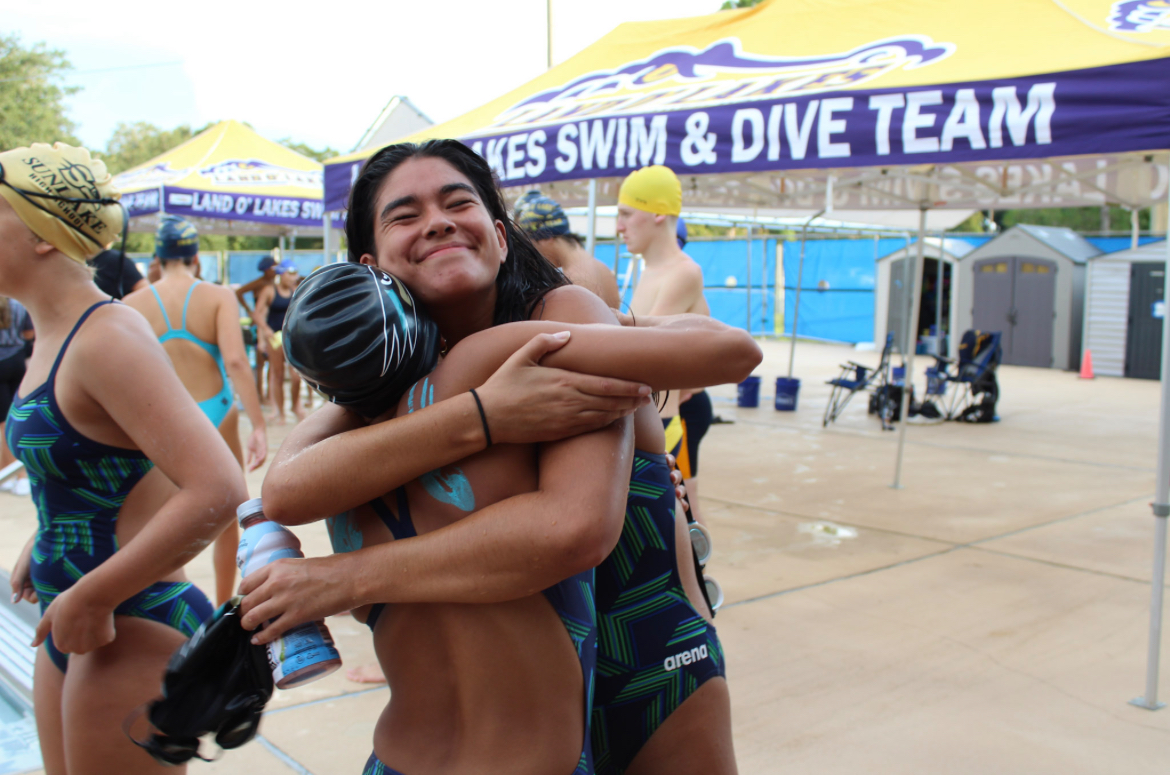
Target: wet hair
point(524, 278)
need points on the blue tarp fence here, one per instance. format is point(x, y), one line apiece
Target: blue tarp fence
point(726, 277)
point(242, 265)
point(837, 294)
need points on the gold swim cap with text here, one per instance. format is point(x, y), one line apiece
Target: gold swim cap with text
point(653, 189)
point(41, 183)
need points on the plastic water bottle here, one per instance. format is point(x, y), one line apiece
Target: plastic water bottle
point(306, 652)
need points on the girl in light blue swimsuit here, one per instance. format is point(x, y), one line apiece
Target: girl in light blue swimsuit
point(213, 312)
point(216, 407)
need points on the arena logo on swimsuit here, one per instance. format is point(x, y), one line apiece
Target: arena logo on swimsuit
point(1140, 16)
point(685, 658)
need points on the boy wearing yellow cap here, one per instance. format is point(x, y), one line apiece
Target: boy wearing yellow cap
point(671, 283)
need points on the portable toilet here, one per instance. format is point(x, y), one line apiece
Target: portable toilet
point(889, 308)
point(1124, 307)
point(1029, 284)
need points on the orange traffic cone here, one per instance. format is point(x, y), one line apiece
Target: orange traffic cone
point(1087, 365)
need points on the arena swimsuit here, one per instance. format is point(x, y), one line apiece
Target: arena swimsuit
point(216, 407)
point(572, 599)
point(78, 486)
point(655, 650)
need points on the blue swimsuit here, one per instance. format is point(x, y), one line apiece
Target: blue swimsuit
point(655, 650)
point(572, 599)
point(216, 407)
point(78, 486)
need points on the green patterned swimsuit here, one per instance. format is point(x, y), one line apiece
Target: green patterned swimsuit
point(654, 649)
point(78, 486)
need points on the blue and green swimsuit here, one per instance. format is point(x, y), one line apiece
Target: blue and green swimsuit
point(654, 649)
point(78, 486)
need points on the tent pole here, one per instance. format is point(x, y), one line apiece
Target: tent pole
point(763, 278)
point(325, 239)
point(591, 218)
point(548, 31)
point(749, 279)
point(799, 282)
point(910, 330)
point(1133, 228)
point(1161, 504)
point(938, 296)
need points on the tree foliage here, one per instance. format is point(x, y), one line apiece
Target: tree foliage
point(307, 150)
point(1082, 219)
point(138, 142)
point(730, 5)
point(32, 108)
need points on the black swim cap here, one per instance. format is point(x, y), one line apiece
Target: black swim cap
point(355, 333)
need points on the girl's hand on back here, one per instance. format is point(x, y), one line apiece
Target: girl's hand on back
point(526, 403)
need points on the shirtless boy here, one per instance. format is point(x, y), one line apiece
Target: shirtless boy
point(649, 204)
point(548, 226)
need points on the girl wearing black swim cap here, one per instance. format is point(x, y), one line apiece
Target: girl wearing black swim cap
point(432, 216)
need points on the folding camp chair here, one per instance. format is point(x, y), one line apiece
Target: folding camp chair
point(855, 377)
point(973, 386)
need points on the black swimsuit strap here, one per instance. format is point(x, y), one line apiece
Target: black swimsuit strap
point(69, 339)
point(400, 526)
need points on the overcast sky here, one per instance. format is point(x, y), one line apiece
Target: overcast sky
point(318, 73)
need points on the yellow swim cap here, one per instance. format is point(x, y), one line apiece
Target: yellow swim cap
point(653, 189)
point(42, 183)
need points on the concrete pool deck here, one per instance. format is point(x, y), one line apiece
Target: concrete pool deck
point(989, 617)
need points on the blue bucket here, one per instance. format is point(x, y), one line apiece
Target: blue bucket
point(787, 392)
point(748, 396)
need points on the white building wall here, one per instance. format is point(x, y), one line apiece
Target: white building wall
point(1107, 316)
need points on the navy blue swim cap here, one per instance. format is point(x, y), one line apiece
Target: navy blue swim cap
point(356, 335)
point(175, 239)
point(540, 216)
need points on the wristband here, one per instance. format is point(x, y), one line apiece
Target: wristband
point(482, 417)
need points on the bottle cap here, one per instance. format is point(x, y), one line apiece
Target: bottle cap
point(249, 508)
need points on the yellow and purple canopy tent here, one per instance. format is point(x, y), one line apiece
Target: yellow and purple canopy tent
point(856, 104)
point(227, 179)
point(850, 105)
